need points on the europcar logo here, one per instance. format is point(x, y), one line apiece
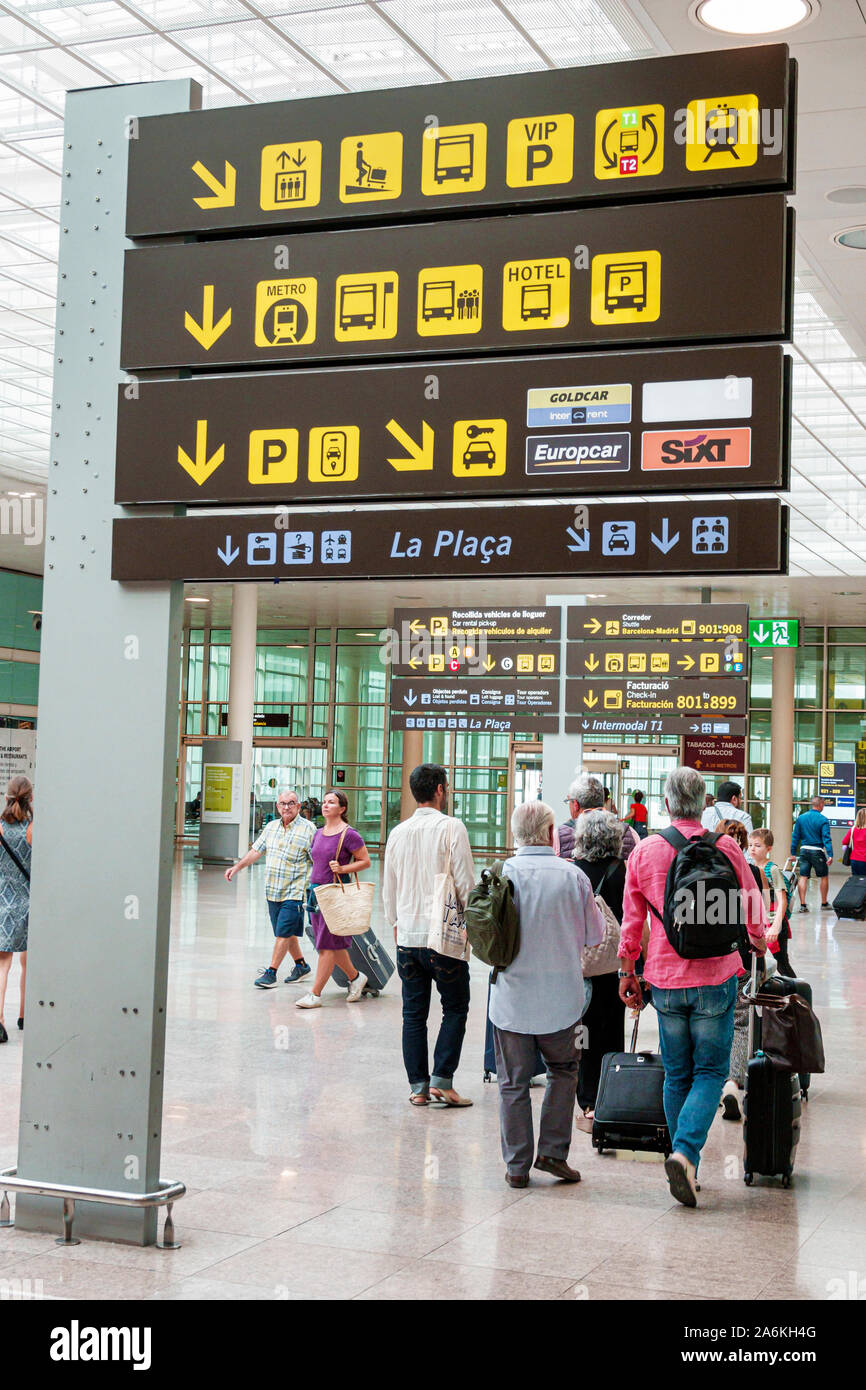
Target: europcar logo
point(701, 448)
point(578, 453)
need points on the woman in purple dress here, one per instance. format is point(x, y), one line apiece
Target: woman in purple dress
point(336, 849)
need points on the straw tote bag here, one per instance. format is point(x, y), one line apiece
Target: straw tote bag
point(346, 908)
point(447, 935)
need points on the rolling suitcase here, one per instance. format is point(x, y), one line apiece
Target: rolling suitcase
point(771, 1113)
point(629, 1108)
point(780, 985)
point(490, 1051)
point(850, 901)
point(368, 955)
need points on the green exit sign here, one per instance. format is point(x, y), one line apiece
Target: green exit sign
point(774, 632)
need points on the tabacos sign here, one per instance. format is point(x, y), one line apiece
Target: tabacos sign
point(702, 447)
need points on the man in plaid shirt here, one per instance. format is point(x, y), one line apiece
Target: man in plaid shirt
point(286, 844)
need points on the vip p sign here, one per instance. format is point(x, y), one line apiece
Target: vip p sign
point(774, 632)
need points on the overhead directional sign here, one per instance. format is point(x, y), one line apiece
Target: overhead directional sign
point(496, 427)
point(837, 780)
point(715, 753)
point(609, 539)
point(436, 624)
point(627, 725)
point(492, 706)
point(699, 659)
point(461, 657)
point(774, 632)
point(684, 125)
point(712, 269)
point(684, 622)
point(658, 695)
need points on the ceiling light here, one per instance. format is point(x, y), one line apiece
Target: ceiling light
point(196, 600)
point(852, 193)
point(754, 16)
point(854, 238)
point(365, 634)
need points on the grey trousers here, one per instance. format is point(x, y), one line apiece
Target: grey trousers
point(515, 1064)
point(740, 1045)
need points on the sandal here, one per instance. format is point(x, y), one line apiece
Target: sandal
point(439, 1101)
point(419, 1098)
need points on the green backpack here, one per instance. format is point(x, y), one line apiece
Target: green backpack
point(492, 924)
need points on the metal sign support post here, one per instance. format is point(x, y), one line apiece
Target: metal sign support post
point(562, 752)
point(92, 1083)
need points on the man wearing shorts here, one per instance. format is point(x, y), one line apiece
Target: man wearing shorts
point(286, 843)
point(812, 841)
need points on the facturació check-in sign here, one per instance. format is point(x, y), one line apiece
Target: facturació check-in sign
point(707, 270)
point(678, 125)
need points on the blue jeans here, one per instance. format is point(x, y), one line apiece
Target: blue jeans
point(696, 1029)
point(418, 968)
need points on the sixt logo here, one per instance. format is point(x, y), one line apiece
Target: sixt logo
point(733, 449)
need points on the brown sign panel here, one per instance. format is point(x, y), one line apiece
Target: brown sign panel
point(678, 125)
point(659, 695)
point(537, 624)
point(450, 696)
point(495, 721)
point(462, 657)
point(483, 542)
point(708, 270)
point(661, 622)
point(683, 420)
point(715, 753)
point(703, 660)
point(625, 726)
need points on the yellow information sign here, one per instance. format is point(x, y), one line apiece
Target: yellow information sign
point(334, 454)
point(218, 788)
point(371, 167)
point(479, 448)
point(535, 294)
point(436, 662)
point(449, 300)
point(454, 156)
point(273, 456)
point(709, 663)
point(285, 312)
point(626, 287)
point(540, 151)
point(291, 175)
point(629, 141)
point(365, 306)
point(722, 132)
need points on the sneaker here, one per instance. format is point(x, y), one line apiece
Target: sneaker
point(681, 1177)
point(731, 1101)
point(300, 970)
point(267, 979)
point(826, 907)
point(803, 907)
point(356, 988)
point(309, 1001)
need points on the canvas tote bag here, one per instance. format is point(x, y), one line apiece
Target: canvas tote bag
point(346, 908)
point(447, 935)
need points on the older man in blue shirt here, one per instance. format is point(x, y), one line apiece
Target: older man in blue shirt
point(537, 1002)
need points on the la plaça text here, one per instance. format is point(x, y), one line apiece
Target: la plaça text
point(459, 544)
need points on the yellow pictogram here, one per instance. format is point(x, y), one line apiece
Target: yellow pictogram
point(540, 151)
point(525, 664)
point(436, 662)
point(201, 466)
point(546, 664)
point(626, 287)
point(611, 627)
point(365, 306)
point(371, 167)
point(535, 294)
point(285, 312)
point(273, 456)
point(629, 141)
point(613, 699)
point(222, 194)
point(722, 132)
point(419, 456)
point(449, 300)
point(207, 332)
point(637, 662)
point(688, 627)
point(659, 662)
point(453, 159)
point(709, 663)
point(334, 454)
point(479, 448)
point(291, 175)
point(438, 626)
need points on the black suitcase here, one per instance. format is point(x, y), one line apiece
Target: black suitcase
point(629, 1108)
point(490, 1051)
point(368, 955)
point(850, 901)
point(780, 985)
point(771, 1114)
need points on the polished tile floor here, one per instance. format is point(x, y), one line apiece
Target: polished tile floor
point(309, 1175)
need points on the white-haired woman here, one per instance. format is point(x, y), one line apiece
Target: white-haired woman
point(597, 853)
point(16, 838)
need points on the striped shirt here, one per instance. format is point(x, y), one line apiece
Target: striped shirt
point(288, 858)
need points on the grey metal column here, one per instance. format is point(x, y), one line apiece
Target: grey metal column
point(561, 752)
point(91, 1100)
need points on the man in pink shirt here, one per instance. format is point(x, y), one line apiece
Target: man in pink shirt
point(694, 998)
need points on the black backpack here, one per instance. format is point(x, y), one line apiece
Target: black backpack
point(703, 907)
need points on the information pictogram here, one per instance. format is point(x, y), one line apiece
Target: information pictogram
point(722, 132)
point(273, 456)
point(454, 157)
point(334, 454)
point(366, 306)
point(285, 312)
point(371, 167)
point(540, 151)
point(449, 300)
point(626, 287)
point(479, 448)
point(629, 141)
point(535, 294)
point(291, 175)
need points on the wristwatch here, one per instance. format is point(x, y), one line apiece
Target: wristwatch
point(626, 974)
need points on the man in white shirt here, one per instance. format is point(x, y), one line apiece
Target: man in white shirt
point(417, 850)
point(727, 806)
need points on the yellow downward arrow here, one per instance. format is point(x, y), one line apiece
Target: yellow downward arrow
point(207, 331)
point(223, 193)
point(591, 662)
point(591, 700)
point(201, 467)
point(489, 664)
point(420, 458)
